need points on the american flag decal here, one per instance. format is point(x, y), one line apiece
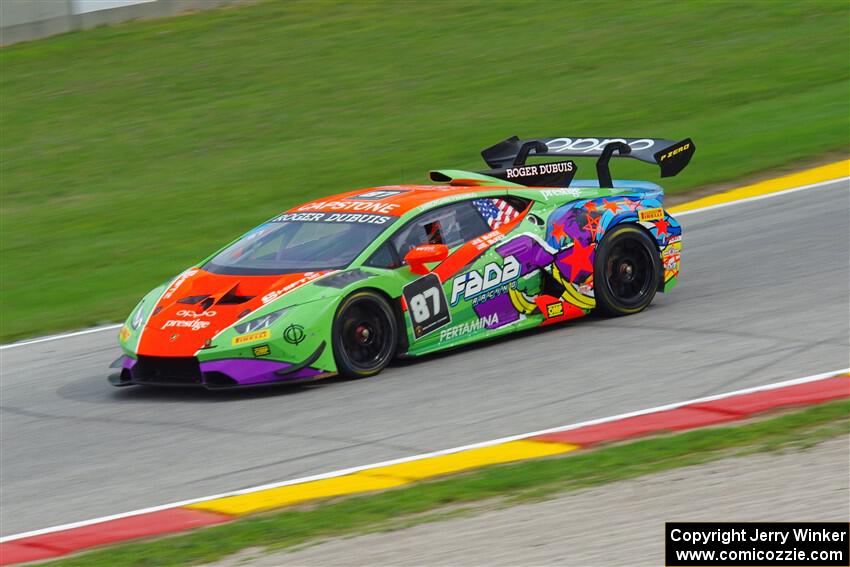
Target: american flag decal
point(495, 211)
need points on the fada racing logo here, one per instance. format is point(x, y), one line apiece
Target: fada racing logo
point(493, 281)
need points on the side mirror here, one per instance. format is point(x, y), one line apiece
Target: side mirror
point(424, 254)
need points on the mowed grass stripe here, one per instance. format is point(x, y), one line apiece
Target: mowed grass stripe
point(130, 152)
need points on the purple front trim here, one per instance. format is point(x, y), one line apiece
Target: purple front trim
point(127, 363)
point(247, 371)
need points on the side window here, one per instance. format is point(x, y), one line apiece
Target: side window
point(497, 211)
point(451, 225)
point(384, 257)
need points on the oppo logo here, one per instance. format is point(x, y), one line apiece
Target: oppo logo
point(194, 314)
point(587, 145)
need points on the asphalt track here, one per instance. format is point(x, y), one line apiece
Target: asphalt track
point(764, 297)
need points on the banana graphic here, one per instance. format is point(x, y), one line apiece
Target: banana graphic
point(570, 294)
point(520, 302)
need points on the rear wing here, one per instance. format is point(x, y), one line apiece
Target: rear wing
point(670, 156)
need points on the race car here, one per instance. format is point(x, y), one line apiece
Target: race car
point(341, 285)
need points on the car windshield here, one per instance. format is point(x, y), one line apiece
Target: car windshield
point(300, 242)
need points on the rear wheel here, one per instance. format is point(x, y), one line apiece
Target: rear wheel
point(365, 334)
point(627, 269)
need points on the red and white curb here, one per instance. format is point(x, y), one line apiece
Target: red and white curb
point(179, 516)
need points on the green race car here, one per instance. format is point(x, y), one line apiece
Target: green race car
point(341, 285)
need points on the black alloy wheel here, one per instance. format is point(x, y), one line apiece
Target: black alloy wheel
point(365, 334)
point(627, 268)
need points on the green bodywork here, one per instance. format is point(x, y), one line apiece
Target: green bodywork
point(314, 306)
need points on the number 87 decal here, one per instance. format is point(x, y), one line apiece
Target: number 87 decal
point(426, 305)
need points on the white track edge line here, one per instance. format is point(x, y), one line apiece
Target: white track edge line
point(62, 336)
point(759, 197)
point(678, 214)
point(350, 470)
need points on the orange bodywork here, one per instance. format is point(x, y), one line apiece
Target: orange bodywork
point(180, 329)
point(398, 199)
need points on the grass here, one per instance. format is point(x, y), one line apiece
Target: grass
point(129, 152)
point(430, 501)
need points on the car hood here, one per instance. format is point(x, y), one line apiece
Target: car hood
point(198, 305)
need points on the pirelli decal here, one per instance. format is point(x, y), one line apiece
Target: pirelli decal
point(649, 215)
point(670, 152)
point(251, 337)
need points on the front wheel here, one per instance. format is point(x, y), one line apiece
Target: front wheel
point(626, 271)
point(365, 334)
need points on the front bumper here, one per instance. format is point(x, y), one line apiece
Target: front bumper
point(222, 374)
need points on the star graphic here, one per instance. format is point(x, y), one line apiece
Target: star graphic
point(661, 227)
point(558, 232)
point(593, 227)
point(632, 205)
point(613, 206)
point(578, 259)
point(590, 206)
point(573, 227)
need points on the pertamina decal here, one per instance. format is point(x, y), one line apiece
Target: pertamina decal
point(251, 337)
point(650, 215)
point(487, 322)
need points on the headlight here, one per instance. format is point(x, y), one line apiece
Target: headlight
point(260, 322)
point(138, 316)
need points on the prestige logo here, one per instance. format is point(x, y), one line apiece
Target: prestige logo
point(193, 325)
point(474, 283)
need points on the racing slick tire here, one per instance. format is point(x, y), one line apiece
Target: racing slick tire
point(364, 335)
point(627, 268)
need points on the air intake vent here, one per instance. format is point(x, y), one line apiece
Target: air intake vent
point(232, 298)
point(167, 370)
point(192, 299)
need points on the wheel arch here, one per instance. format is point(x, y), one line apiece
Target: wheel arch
point(395, 305)
point(626, 220)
